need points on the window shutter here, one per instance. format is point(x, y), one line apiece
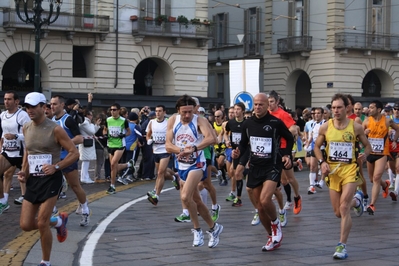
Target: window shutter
point(226, 29)
point(246, 31)
point(258, 29)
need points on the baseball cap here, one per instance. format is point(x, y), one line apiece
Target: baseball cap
point(196, 100)
point(396, 105)
point(388, 108)
point(151, 114)
point(201, 109)
point(34, 98)
point(70, 101)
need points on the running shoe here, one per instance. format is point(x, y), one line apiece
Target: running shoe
point(153, 199)
point(198, 238)
point(300, 165)
point(130, 165)
point(4, 207)
point(231, 197)
point(85, 220)
point(359, 199)
point(129, 178)
point(122, 180)
point(340, 252)
point(385, 191)
point(215, 213)
point(62, 195)
point(297, 204)
point(393, 195)
point(79, 210)
point(219, 176)
point(371, 209)
point(283, 218)
point(19, 200)
point(269, 244)
point(365, 204)
point(55, 213)
point(237, 202)
point(64, 184)
point(223, 183)
point(288, 205)
point(391, 186)
point(183, 218)
point(255, 220)
point(44, 264)
point(277, 233)
point(214, 235)
point(111, 190)
point(311, 190)
point(62, 231)
point(176, 182)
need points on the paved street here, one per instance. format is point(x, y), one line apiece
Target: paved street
point(126, 229)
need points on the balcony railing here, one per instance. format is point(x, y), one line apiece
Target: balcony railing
point(171, 29)
point(65, 22)
point(366, 41)
point(294, 44)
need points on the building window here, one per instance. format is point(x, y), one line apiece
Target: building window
point(82, 62)
point(298, 12)
point(379, 22)
point(221, 31)
point(154, 8)
point(252, 31)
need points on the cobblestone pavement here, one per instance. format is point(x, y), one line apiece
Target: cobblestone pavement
point(126, 229)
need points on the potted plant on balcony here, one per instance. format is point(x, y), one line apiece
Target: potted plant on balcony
point(195, 21)
point(207, 22)
point(171, 19)
point(148, 18)
point(161, 18)
point(182, 20)
point(134, 18)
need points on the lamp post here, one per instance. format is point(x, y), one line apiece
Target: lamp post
point(148, 82)
point(37, 21)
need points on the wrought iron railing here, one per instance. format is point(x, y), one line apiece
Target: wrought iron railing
point(65, 22)
point(171, 29)
point(366, 41)
point(294, 44)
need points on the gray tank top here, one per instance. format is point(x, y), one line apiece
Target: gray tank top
point(40, 139)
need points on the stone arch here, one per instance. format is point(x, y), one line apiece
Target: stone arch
point(377, 83)
point(299, 86)
point(163, 78)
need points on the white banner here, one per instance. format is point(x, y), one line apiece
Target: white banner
point(244, 76)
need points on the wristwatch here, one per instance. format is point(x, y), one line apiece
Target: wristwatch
point(321, 161)
point(16, 136)
point(57, 167)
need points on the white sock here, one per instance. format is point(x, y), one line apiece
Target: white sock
point(185, 211)
point(312, 178)
point(204, 196)
point(397, 184)
point(281, 211)
point(6, 196)
point(214, 207)
point(59, 222)
point(85, 208)
point(391, 175)
point(256, 210)
point(45, 262)
point(54, 209)
point(321, 183)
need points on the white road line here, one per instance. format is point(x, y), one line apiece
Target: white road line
point(91, 243)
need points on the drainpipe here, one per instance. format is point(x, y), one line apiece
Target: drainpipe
point(116, 44)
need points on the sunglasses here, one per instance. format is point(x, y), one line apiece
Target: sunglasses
point(396, 109)
point(312, 113)
point(217, 116)
point(113, 109)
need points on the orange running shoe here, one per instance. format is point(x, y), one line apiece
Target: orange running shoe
point(385, 191)
point(62, 231)
point(371, 209)
point(298, 204)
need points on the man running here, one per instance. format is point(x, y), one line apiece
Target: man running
point(340, 166)
point(42, 172)
point(261, 136)
point(376, 128)
point(182, 139)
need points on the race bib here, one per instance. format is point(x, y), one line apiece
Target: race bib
point(11, 145)
point(340, 152)
point(36, 163)
point(114, 131)
point(260, 146)
point(189, 159)
point(377, 145)
point(159, 138)
point(236, 137)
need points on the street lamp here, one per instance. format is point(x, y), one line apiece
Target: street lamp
point(37, 21)
point(148, 82)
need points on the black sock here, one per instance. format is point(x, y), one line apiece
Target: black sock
point(240, 184)
point(287, 189)
point(223, 173)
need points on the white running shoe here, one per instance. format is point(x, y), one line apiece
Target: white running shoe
point(283, 218)
point(79, 210)
point(198, 238)
point(256, 220)
point(288, 205)
point(277, 233)
point(214, 235)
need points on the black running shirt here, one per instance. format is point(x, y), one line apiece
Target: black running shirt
point(235, 129)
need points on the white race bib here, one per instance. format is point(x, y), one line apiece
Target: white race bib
point(340, 152)
point(377, 144)
point(236, 137)
point(114, 131)
point(158, 138)
point(261, 146)
point(36, 163)
point(11, 145)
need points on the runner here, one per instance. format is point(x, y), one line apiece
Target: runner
point(183, 140)
point(262, 135)
point(340, 166)
point(41, 171)
point(394, 164)
point(376, 128)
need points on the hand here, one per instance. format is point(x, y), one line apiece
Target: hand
point(287, 162)
point(149, 142)
point(76, 107)
point(367, 131)
point(21, 177)
point(89, 97)
point(9, 136)
point(235, 153)
point(98, 122)
point(362, 157)
point(394, 144)
point(325, 168)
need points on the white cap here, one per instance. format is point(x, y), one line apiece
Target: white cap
point(201, 109)
point(34, 98)
point(196, 100)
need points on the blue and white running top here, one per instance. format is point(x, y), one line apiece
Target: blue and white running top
point(188, 135)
